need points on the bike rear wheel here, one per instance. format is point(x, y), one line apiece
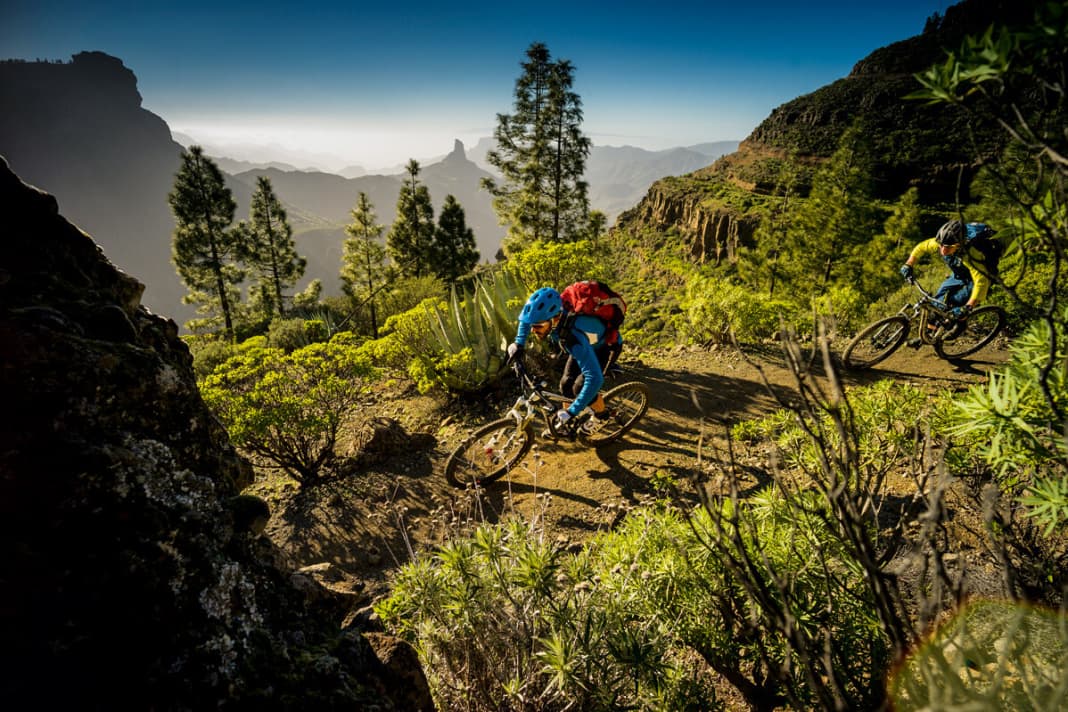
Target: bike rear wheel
point(979, 329)
point(875, 342)
point(488, 453)
point(626, 404)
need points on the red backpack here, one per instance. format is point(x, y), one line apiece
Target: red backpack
point(596, 299)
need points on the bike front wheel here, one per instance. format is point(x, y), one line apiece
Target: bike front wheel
point(488, 453)
point(875, 342)
point(978, 330)
point(626, 404)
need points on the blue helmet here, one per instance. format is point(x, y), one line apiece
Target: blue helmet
point(542, 305)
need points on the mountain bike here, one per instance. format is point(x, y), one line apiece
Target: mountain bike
point(951, 338)
point(496, 448)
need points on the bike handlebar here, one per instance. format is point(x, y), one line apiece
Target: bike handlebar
point(937, 302)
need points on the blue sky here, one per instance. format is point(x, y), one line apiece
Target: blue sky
point(374, 84)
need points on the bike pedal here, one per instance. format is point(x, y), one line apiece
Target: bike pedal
point(914, 343)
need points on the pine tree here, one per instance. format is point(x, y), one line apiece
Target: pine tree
point(570, 196)
point(761, 267)
point(832, 229)
point(541, 153)
point(901, 231)
point(204, 249)
point(272, 252)
point(455, 253)
point(903, 228)
point(411, 238)
point(363, 269)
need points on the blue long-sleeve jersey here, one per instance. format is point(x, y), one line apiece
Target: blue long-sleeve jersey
point(586, 335)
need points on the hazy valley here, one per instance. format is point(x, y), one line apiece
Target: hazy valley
point(111, 163)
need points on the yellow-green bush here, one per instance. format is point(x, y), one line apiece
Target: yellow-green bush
point(713, 308)
point(556, 264)
point(289, 408)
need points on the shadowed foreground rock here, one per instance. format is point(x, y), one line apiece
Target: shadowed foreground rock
point(130, 581)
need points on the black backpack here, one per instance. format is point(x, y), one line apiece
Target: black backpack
point(980, 236)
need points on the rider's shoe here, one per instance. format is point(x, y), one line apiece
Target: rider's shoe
point(594, 423)
point(914, 343)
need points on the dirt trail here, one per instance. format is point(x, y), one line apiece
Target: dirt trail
point(693, 392)
point(370, 523)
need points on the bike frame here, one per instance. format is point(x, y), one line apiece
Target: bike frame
point(536, 400)
point(921, 311)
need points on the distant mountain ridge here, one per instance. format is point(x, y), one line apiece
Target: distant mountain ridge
point(619, 176)
point(319, 206)
point(77, 130)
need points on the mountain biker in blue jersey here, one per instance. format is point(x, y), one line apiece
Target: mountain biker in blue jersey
point(582, 337)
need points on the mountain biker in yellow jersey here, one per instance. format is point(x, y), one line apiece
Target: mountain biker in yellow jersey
point(582, 339)
point(969, 279)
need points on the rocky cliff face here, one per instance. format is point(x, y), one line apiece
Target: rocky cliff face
point(913, 144)
point(712, 232)
point(78, 131)
point(931, 147)
point(134, 574)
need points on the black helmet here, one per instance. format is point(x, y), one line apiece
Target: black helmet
point(952, 233)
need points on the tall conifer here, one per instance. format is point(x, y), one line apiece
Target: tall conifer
point(455, 253)
point(411, 238)
point(570, 204)
point(363, 269)
point(541, 154)
point(762, 267)
point(204, 249)
point(272, 252)
point(833, 227)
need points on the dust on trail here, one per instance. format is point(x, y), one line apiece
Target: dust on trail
point(371, 523)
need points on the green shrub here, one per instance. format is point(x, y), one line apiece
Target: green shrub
point(208, 353)
point(296, 333)
point(713, 308)
point(504, 619)
point(556, 264)
point(456, 344)
point(846, 305)
point(884, 418)
point(992, 655)
point(288, 409)
point(1016, 428)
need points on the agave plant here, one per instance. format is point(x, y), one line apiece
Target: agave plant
point(474, 329)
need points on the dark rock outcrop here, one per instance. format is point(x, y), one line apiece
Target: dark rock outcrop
point(77, 130)
point(134, 577)
point(931, 147)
